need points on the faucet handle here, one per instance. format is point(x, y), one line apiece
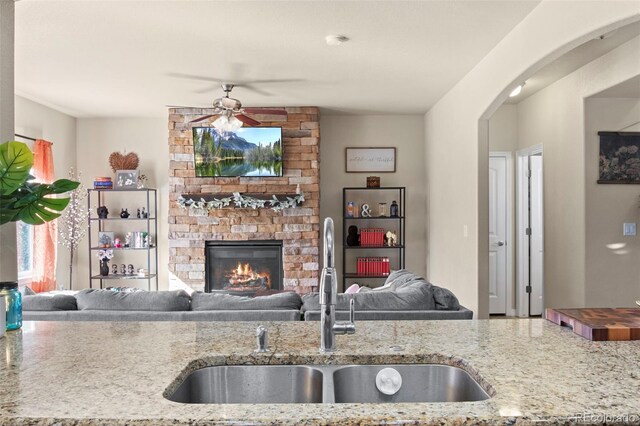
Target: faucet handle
point(262, 338)
point(347, 327)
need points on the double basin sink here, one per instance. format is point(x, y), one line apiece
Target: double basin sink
point(302, 384)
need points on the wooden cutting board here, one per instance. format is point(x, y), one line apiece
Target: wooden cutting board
point(599, 323)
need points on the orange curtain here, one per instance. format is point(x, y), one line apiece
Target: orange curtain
point(45, 236)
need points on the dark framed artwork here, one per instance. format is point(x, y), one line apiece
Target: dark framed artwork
point(619, 159)
point(370, 160)
point(126, 179)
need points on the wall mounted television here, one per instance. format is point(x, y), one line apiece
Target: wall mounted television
point(249, 151)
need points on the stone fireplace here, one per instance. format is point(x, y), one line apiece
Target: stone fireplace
point(298, 229)
point(243, 267)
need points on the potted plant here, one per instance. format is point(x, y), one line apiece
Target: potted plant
point(22, 199)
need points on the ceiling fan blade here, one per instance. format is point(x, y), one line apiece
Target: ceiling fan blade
point(265, 111)
point(247, 120)
point(195, 77)
point(202, 118)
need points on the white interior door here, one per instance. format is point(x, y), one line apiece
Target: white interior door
point(536, 251)
point(497, 235)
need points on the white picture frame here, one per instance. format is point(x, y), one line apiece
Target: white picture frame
point(370, 160)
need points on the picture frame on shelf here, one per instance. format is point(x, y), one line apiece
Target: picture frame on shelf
point(370, 160)
point(126, 179)
point(106, 239)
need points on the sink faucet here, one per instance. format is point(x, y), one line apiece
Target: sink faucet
point(328, 290)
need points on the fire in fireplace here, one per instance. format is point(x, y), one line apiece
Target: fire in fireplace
point(243, 267)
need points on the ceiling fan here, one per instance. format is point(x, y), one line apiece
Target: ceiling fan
point(231, 114)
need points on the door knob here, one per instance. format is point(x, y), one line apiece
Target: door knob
point(500, 243)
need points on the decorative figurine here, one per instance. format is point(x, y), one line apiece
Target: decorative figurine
point(138, 214)
point(127, 240)
point(350, 209)
point(114, 269)
point(392, 239)
point(103, 212)
point(123, 269)
point(352, 237)
point(117, 243)
point(145, 214)
point(124, 213)
point(130, 269)
point(366, 210)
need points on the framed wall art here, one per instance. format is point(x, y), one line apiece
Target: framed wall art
point(619, 159)
point(370, 160)
point(126, 179)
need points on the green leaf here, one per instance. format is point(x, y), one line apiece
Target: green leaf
point(42, 210)
point(16, 160)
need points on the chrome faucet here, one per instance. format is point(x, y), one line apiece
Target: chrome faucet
point(328, 290)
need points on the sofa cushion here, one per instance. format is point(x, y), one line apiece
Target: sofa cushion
point(107, 300)
point(229, 302)
point(49, 302)
point(445, 300)
point(417, 296)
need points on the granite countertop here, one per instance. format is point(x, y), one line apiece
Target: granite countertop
point(84, 373)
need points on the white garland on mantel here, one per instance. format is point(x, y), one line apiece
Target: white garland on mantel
point(242, 201)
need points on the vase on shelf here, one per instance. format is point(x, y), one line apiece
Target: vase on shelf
point(104, 268)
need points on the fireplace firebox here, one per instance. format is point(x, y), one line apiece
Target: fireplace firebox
point(243, 267)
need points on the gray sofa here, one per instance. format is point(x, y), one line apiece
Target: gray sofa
point(107, 305)
point(404, 296)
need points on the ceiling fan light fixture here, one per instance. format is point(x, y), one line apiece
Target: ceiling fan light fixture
point(227, 124)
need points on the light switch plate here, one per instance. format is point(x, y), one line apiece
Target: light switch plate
point(629, 229)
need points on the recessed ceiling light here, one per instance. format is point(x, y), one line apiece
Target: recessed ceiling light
point(336, 40)
point(515, 92)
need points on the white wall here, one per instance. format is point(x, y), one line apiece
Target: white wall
point(38, 121)
point(457, 142)
point(555, 117)
point(406, 133)
point(612, 260)
point(147, 137)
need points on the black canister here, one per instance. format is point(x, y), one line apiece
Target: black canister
point(393, 210)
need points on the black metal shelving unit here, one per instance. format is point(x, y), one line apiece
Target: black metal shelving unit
point(373, 196)
point(151, 223)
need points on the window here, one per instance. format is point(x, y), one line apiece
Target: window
point(25, 252)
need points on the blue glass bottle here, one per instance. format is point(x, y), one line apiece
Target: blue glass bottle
point(13, 299)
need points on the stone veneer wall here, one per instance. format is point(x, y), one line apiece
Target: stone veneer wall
point(298, 228)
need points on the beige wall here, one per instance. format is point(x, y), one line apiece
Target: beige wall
point(612, 260)
point(39, 121)
point(406, 133)
point(503, 137)
point(555, 117)
point(147, 137)
point(457, 148)
point(503, 129)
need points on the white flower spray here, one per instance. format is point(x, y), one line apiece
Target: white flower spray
point(72, 225)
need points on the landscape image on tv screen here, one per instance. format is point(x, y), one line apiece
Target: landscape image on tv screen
point(249, 151)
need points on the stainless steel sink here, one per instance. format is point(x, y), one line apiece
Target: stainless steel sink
point(420, 383)
point(262, 384)
point(251, 384)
